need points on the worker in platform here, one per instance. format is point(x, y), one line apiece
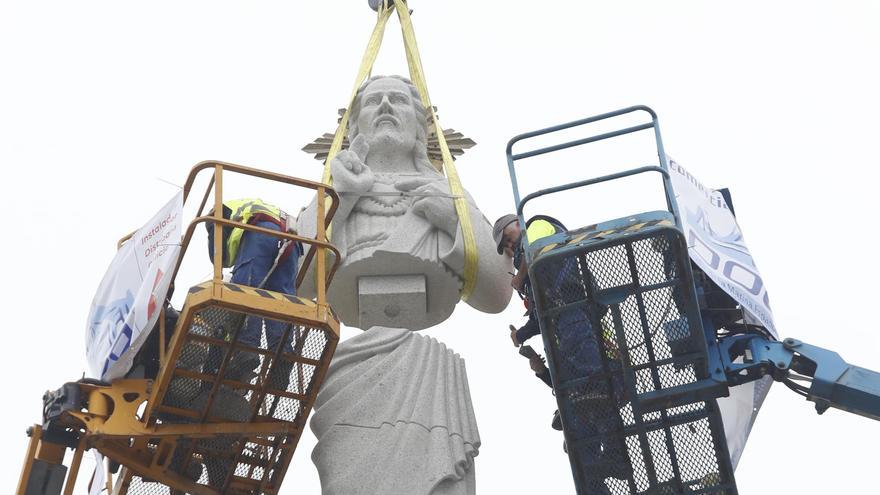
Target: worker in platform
point(507, 235)
point(257, 260)
point(581, 348)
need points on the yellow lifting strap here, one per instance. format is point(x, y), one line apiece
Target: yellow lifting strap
point(417, 76)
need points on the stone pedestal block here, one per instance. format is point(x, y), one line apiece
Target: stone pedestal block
point(398, 301)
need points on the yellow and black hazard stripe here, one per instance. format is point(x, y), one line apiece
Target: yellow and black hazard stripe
point(591, 232)
point(253, 291)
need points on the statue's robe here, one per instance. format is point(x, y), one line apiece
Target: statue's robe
point(394, 417)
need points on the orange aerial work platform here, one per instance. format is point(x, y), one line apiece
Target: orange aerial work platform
point(196, 427)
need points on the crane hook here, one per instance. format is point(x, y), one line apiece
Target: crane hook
point(375, 4)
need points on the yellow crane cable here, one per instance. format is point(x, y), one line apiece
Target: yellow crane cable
point(366, 68)
point(417, 76)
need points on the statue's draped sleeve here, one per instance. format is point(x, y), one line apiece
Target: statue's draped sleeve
point(492, 291)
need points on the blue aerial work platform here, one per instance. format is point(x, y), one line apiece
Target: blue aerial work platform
point(636, 355)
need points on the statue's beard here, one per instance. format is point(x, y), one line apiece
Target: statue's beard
point(391, 139)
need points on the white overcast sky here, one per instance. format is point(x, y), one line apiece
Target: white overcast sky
point(777, 100)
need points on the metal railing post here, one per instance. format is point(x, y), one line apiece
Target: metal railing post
point(218, 229)
point(74, 466)
point(320, 269)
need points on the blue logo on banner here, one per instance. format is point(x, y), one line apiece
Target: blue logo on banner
point(109, 325)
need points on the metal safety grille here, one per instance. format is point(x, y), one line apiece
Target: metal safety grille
point(141, 486)
point(234, 367)
point(620, 320)
point(218, 463)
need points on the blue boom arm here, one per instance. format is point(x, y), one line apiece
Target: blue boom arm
point(825, 378)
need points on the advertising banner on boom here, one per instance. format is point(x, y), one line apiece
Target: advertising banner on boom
point(132, 293)
point(716, 244)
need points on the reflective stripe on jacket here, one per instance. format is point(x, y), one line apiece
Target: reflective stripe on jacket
point(245, 211)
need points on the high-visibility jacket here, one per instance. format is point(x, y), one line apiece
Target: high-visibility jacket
point(247, 210)
point(250, 211)
point(538, 229)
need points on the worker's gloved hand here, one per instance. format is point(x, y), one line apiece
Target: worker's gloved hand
point(349, 170)
point(433, 202)
point(536, 363)
point(516, 342)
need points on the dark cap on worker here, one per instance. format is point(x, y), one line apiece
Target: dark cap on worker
point(498, 229)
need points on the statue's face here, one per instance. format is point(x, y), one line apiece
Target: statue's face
point(387, 115)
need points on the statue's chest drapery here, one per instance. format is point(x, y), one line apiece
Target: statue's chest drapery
point(377, 214)
point(384, 199)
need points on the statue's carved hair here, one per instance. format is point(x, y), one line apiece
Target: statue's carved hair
point(422, 162)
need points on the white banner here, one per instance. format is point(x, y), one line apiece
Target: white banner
point(716, 245)
point(99, 480)
point(132, 293)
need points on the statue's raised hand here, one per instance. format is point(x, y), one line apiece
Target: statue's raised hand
point(349, 169)
point(432, 201)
